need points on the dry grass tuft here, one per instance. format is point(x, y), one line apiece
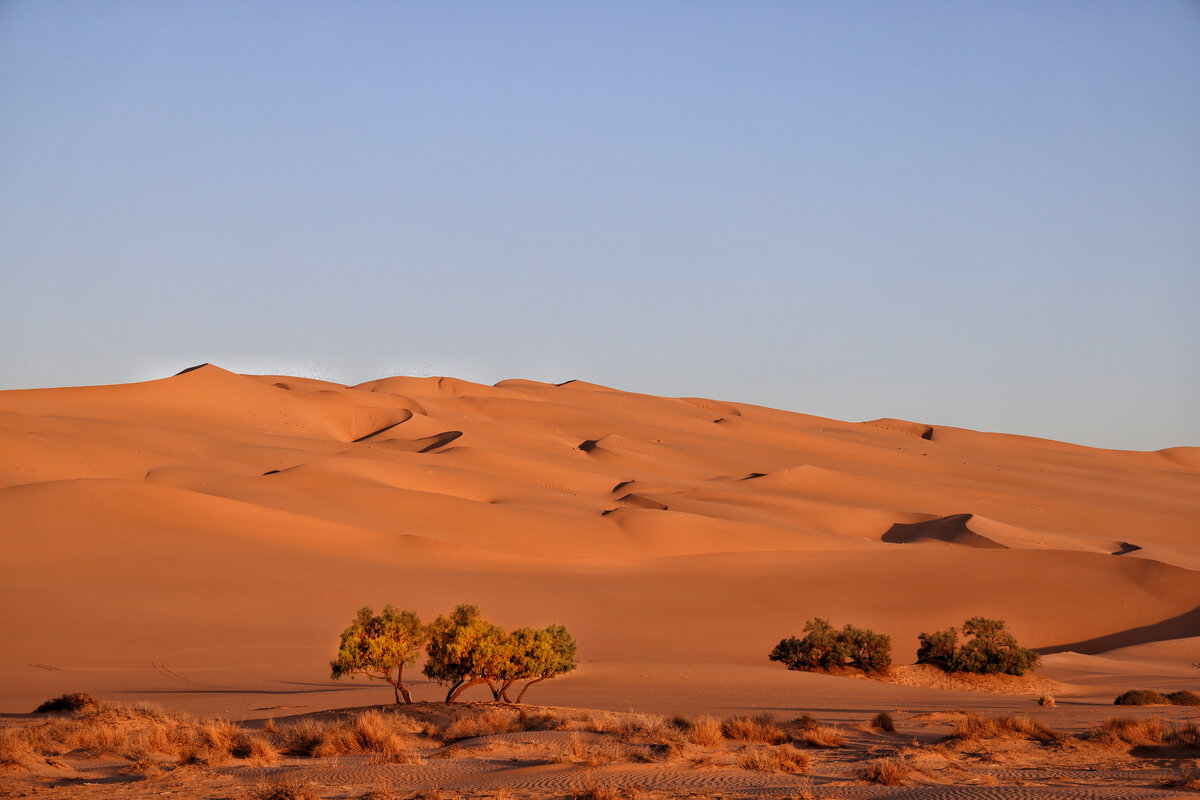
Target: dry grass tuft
point(282, 787)
point(1046, 700)
point(593, 754)
point(300, 738)
point(974, 727)
point(759, 729)
point(705, 731)
point(16, 752)
point(1130, 731)
point(488, 722)
point(885, 772)
point(777, 759)
point(884, 722)
point(815, 734)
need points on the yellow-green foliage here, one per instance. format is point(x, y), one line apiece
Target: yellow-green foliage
point(380, 647)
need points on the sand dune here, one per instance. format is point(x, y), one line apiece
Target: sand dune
point(230, 525)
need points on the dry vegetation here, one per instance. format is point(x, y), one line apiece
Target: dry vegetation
point(806, 730)
point(784, 758)
point(153, 742)
point(885, 771)
point(974, 727)
point(1146, 733)
point(884, 722)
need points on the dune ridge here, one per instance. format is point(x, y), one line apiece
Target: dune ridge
point(250, 515)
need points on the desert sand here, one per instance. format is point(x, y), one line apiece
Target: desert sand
point(200, 541)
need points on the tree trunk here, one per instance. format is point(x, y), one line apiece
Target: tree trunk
point(492, 687)
point(525, 688)
point(451, 694)
point(504, 690)
point(462, 687)
point(398, 686)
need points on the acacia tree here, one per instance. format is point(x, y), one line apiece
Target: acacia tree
point(536, 655)
point(991, 648)
point(376, 645)
point(464, 649)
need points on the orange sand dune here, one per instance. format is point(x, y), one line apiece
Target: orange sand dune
point(226, 527)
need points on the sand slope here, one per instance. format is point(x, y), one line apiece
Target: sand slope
point(225, 527)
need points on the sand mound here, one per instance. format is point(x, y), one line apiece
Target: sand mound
point(903, 427)
point(229, 525)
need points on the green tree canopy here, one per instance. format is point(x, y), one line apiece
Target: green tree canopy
point(537, 654)
point(464, 649)
point(376, 646)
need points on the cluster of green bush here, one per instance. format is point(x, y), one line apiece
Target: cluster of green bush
point(990, 648)
point(1149, 697)
point(461, 650)
point(825, 647)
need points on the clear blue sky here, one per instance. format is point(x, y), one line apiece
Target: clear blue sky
point(973, 214)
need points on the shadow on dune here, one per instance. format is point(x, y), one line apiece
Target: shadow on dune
point(952, 530)
point(1183, 626)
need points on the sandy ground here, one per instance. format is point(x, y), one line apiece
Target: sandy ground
point(201, 540)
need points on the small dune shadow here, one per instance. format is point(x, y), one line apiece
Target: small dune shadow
point(951, 530)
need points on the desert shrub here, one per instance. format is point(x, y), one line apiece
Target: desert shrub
point(866, 650)
point(281, 787)
point(885, 771)
point(938, 648)
point(776, 759)
point(1129, 731)
point(824, 647)
point(760, 729)
point(823, 736)
point(990, 649)
point(67, 703)
point(974, 727)
point(884, 722)
point(1046, 700)
point(705, 731)
point(1183, 698)
point(1141, 697)
point(302, 737)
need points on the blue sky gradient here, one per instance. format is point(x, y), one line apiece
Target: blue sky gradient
point(984, 215)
